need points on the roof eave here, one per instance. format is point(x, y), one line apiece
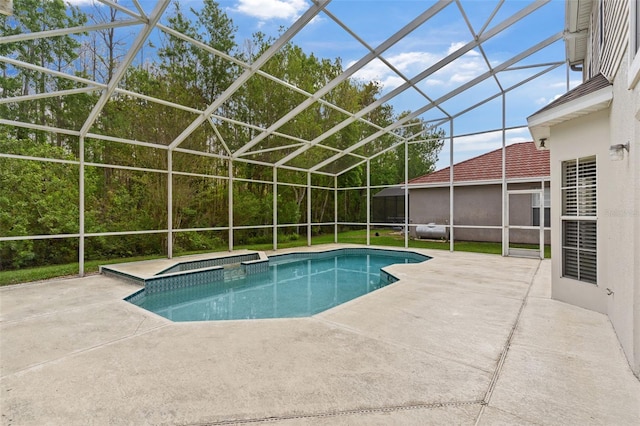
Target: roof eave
point(541, 123)
point(529, 179)
point(577, 16)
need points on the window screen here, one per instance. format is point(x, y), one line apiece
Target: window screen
point(637, 25)
point(579, 220)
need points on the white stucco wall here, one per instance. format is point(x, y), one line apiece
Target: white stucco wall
point(581, 137)
point(620, 223)
point(618, 196)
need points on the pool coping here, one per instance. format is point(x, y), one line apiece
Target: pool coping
point(187, 273)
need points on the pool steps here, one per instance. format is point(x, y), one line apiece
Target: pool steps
point(191, 273)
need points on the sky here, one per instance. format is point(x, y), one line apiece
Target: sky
point(375, 20)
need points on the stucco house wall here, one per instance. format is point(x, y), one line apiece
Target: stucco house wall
point(478, 195)
point(618, 191)
point(583, 127)
point(474, 205)
point(620, 217)
point(470, 208)
point(581, 137)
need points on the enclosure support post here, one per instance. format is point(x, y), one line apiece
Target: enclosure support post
point(170, 204)
point(505, 204)
point(542, 225)
point(230, 206)
point(368, 202)
point(309, 209)
point(335, 209)
point(81, 208)
point(451, 233)
point(406, 194)
point(275, 208)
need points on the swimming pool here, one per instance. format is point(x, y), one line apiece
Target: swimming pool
point(295, 285)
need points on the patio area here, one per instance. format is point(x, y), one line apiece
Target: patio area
point(463, 338)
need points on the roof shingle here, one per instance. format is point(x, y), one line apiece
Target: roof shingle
point(592, 85)
point(524, 160)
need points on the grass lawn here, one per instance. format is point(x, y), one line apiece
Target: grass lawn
point(385, 237)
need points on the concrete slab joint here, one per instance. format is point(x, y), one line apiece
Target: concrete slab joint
point(461, 339)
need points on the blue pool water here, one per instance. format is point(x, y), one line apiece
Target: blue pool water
point(295, 285)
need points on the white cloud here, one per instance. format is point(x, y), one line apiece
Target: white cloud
point(545, 101)
point(489, 141)
point(559, 87)
point(434, 82)
point(408, 63)
point(463, 69)
point(412, 63)
point(83, 2)
point(392, 81)
point(265, 10)
point(459, 44)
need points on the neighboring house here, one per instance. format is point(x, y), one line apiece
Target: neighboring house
point(388, 206)
point(593, 135)
point(477, 199)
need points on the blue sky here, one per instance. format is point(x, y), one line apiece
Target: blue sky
point(375, 20)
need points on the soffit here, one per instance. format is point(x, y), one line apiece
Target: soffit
point(591, 96)
point(578, 17)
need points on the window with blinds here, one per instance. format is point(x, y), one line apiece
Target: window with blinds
point(579, 220)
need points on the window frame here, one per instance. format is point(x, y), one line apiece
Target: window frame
point(535, 206)
point(579, 221)
point(601, 22)
point(634, 43)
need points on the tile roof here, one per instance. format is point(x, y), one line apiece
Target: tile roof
point(524, 160)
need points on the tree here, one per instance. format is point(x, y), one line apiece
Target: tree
point(423, 149)
point(57, 53)
point(42, 200)
point(187, 74)
point(215, 74)
point(101, 52)
point(200, 69)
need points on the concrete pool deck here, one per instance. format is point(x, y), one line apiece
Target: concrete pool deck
point(463, 338)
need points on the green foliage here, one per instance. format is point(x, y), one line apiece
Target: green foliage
point(56, 271)
point(202, 74)
point(37, 198)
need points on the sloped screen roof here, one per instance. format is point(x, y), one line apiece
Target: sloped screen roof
point(278, 132)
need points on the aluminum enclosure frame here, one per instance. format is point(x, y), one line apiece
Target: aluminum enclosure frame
point(148, 22)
